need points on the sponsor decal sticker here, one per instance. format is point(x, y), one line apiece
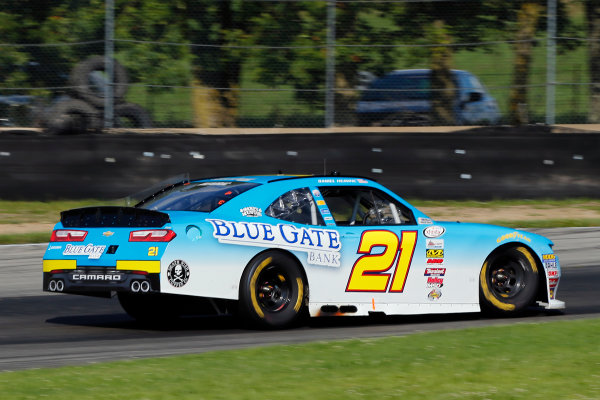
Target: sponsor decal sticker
point(513, 235)
point(93, 252)
point(283, 236)
point(96, 277)
point(320, 202)
point(316, 193)
point(341, 180)
point(327, 258)
point(435, 294)
point(108, 233)
point(435, 261)
point(328, 218)
point(435, 271)
point(553, 273)
point(54, 247)
point(548, 257)
point(434, 231)
point(424, 221)
point(434, 244)
point(251, 212)
point(178, 273)
point(550, 264)
point(434, 253)
point(325, 211)
point(435, 282)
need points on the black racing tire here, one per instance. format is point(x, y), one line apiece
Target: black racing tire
point(273, 293)
point(72, 116)
point(130, 115)
point(508, 281)
point(149, 308)
point(81, 79)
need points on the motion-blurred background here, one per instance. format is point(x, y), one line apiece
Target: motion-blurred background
point(289, 63)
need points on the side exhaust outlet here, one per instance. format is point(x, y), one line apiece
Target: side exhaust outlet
point(60, 286)
point(52, 286)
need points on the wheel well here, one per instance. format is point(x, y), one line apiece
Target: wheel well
point(297, 261)
point(542, 292)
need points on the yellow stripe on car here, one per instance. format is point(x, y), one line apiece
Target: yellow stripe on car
point(152, 267)
point(50, 265)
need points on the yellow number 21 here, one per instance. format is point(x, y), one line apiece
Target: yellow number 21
point(371, 272)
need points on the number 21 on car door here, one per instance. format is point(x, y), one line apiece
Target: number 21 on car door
point(384, 259)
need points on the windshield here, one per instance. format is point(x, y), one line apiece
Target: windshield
point(197, 196)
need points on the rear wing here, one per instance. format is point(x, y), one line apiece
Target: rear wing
point(113, 217)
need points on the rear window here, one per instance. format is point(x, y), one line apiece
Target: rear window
point(197, 196)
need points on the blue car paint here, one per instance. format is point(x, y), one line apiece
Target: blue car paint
point(216, 266)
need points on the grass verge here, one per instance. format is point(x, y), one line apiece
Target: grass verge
point(22, 238)
point(27, 222)
point(557, 360)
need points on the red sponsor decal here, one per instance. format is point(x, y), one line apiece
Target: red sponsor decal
point(435, 261)
point(552, 282)
point(552, 273)
point(435, 271)
point(435, 280)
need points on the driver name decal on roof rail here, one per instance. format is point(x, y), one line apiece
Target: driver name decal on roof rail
point(322, 245)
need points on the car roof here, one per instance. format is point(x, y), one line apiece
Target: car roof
point(265, 179)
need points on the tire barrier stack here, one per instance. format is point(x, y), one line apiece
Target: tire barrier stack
point(83, 109)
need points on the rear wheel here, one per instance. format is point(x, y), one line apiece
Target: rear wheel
point(272, 291)
point(508, 281)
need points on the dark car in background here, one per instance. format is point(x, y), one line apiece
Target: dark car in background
point(403, 97)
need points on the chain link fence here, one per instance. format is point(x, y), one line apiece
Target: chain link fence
point(278, 63)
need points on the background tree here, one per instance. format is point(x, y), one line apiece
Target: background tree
point(527, 20)
point(592, 8)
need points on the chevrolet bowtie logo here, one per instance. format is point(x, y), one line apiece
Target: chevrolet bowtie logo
point(108, 233)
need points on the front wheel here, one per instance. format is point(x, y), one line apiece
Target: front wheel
point(272, 290)
point(508, 281)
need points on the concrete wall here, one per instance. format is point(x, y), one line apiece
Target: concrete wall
point(483, 163)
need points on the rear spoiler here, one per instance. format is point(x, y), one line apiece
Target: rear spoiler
point(115, 217)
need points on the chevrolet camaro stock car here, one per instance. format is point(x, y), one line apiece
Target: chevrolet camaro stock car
point(274, 248)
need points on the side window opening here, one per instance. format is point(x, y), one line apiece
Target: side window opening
point(296, 206)
point(364, 206)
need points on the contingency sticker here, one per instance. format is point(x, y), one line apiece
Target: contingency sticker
point(93, 252)
point(321, 245)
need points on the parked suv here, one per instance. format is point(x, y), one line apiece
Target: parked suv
point(403, 97)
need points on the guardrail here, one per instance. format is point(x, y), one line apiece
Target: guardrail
point(481, 163)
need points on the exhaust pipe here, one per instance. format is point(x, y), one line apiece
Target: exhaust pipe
point(135, 286)
point(145, 286)
point(52, 286)
point(60, 286)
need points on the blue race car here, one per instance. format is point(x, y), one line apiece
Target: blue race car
point(274, 248)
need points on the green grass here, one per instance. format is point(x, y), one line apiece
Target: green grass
point(550, 360)
point(22, 238)
point(550, 223)
point(21, 212)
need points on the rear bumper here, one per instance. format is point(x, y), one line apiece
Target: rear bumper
point(97, 281)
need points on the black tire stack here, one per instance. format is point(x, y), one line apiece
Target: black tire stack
point(83, 110)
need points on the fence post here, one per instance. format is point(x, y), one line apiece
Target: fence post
point(551, 64)
point(109, 33)
point(330, 67)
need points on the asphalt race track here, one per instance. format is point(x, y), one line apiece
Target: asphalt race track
point(49, 330)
